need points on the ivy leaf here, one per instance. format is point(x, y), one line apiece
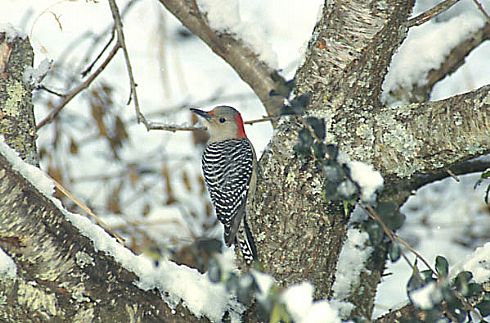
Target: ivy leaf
point(462, 280)
point(214, 271)
point(390, 215)
point(484, 307)
point(442, 266)
point(332, 151)
point(318, 126)
point(375, 233)
point(394, 252)
point(319, 150)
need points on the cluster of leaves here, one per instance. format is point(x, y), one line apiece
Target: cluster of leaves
point(452, 299)
point(270, 307)
point(339, 186)
point(484, 176)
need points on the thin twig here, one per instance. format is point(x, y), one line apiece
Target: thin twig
point(42, 87)
point(393, 237)
point(89, 68)
point(84, 207)
point(263, 119)
point(69, 96)
point(120, 39)
point(450, 172)
point(482, 10)
point(171, 127)
point(431, 13)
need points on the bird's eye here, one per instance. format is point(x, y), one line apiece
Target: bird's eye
point(222, 120)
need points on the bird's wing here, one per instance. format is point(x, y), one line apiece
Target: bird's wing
point(228, 177)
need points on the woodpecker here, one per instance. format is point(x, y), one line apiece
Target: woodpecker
point(229, 165)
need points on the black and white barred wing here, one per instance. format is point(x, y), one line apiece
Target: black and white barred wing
point(228, 167)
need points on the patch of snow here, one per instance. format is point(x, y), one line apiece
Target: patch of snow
point(425, 49)
point(299, 302)
point(265, 282)
point(352, 259)
point(367, 178)
point(7, 266)
point(34, 76)
point(11, 32)
point(427, 296)
point(478, 263)
point(176, 283)
point(42, 182)
point(224, 16)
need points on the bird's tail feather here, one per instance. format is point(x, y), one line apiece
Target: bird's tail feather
point(246, 243)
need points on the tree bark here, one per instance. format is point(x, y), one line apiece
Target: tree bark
point(60, 276)
point(16, 110)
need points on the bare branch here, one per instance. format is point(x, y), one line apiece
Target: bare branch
point(69, 96)
point(122, 43)
point(173, 128)
point(260, 77)
point(431, 13)
point(482, 10)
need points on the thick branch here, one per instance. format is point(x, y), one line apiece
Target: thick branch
point(350, 53)
point(17, 123)
point(454, 60)
point(59, 270)
point(260, 77)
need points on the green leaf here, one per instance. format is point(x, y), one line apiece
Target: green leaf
point(486, 174)
point(484, 308)
point(214, 271)
point(305, 138)
point(318, 126)
point(394, 251)
point(332, 151)
point(375, 233)
point(462, 280)
point(319, 150)
point(474, 289)
point(442, 266)
point(390, 215)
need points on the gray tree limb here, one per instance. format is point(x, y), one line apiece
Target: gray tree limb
point(260, 77)
point(16, 109)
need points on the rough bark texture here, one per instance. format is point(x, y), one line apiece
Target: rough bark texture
point(16, 110)
point(60, 277)
point(301, 235)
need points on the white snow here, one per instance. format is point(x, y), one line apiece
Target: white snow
point(299, 302)
point(11, 32)
point(478, 263)
point(427, 296)
point(224, 16)
point(181, 283)
point(34, 76)
point(7, 266)
point(265, 282)
point(31, 173)
point(367, 178)
point(425, 49)
point(352, 259)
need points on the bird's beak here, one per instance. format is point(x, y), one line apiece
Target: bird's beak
point(202, 114)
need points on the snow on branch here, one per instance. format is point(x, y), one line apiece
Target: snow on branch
point(426, 49)
point(241, 56)
point(198, 294)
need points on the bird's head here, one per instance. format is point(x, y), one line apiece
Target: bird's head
point(223, 122)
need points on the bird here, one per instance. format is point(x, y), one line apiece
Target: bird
point(229, 166)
